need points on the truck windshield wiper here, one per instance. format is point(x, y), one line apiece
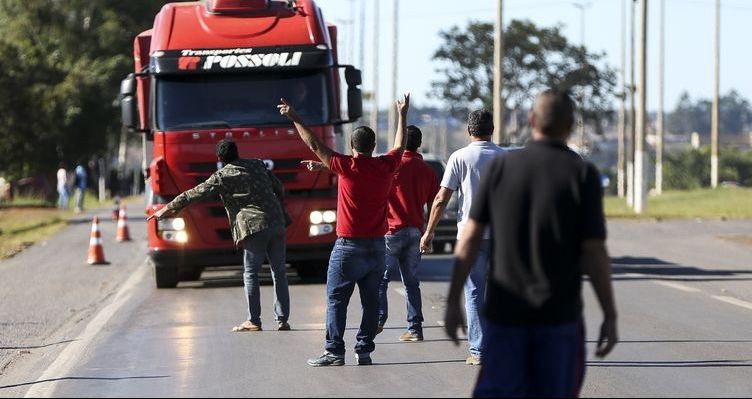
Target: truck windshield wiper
point(196, 125)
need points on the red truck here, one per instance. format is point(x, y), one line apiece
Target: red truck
point(216, 69)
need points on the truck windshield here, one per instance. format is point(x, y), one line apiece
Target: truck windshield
point(205, 101)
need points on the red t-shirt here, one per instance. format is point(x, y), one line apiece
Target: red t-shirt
point(415, 184)
point(364, 187)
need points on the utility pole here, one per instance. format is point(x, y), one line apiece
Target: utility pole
point(362, 35)
point(581, 126)
point(498, 99)
point(620, 164)
point(351, 34)
point(632, 107)
point(395, 53)
point(641, 119)
point(661, 89)
point(716, 83)
point(375, 72)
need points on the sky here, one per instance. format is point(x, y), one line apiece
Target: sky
point(689, 39)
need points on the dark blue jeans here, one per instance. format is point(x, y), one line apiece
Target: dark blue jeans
point(257, 247)
point(532, 361)
point(403, 255)
point(354, 261)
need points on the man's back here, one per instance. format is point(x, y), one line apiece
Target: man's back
point(463, 174)
point(415, 184)
point(364, 185)
point(542, 202)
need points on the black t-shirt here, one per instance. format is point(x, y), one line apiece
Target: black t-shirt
point(542, 202)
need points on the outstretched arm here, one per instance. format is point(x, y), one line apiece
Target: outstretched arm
point(400, 136)
point(312, 141)
point(203, 190)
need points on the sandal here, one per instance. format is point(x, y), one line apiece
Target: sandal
point(246, 326)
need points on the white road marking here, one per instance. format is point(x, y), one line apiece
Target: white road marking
point(677, 286)
point(75, 350)
point(734, 301)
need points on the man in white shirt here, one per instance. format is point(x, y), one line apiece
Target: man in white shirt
point(463, 174)
point(62, 187)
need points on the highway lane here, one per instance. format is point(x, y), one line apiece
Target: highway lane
point(685, 316)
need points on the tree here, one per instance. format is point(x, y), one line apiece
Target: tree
point(62, 62)
point(534, 59)
point(694, 116)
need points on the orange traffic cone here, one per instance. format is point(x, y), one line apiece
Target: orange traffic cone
point(123, 234)
point(96, 252)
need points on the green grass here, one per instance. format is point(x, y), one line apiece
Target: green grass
point(732, 203)
point(27, 220)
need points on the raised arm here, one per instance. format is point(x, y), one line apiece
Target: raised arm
point(402, 108)
point(322, 151)
point(203, 190)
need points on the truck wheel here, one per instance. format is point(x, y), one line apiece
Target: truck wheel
point(314, 272)
point(166, 276)
point(190, 275)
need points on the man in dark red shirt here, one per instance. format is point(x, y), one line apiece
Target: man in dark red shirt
point(415, 186)
point(358, 256)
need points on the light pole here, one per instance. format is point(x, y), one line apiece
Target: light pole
point(632, 107)
point(620, 164)
point(716, 83)
point(374, 97)
point(581, 128)
point(661, 89)
point(498, 85)
point(395, 53)
point(641, 119)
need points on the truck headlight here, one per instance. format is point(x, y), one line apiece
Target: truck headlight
point(316, 217)
point(320, 230)
point(330, 217)
point(176, 224)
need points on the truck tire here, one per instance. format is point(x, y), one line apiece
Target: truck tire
point(312, 271)
point(166, 276)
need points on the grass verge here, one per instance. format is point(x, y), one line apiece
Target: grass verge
point(728, 203)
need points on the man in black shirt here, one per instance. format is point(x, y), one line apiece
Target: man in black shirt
point(544, 204)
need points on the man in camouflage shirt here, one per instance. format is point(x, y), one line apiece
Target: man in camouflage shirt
point(252, 196)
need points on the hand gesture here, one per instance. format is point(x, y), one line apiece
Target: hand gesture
point(453, 320)
point(285, 109)
point(404, 105)
point(607, 338)
point(313, 166)
point(426, 243)
point(161, 214)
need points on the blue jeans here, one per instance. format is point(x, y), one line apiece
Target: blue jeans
point(354, 261)
point(257, 247)
point(63, 196)
point(403, 254)
point(475, 298)
point(532, 361)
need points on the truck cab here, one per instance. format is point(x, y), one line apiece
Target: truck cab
point(216, 69)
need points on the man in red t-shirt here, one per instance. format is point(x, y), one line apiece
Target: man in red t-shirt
point(358, 256)
point(415, 186)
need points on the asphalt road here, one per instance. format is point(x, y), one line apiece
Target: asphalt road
point(682, 289)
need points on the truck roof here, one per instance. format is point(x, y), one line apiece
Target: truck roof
point(192, 25)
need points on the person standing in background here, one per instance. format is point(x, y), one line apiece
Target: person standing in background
point(62, 187)
point(80, 181)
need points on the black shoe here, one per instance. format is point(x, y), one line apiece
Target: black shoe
point(327, 359)
point(283, 326)
point(363, 359)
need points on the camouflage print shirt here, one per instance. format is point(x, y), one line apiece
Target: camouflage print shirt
point(251, 194)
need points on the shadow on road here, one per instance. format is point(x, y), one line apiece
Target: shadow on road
point(673, 364)
point(684, 341)
point(646, 268)
point(419, 362)
point(84, 379)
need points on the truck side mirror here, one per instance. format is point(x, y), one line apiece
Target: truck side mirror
point(354, 103)
point(353, 76)
point(128, 108)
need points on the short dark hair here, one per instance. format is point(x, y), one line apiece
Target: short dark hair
point(480, 123)
point(414, 138)
point(363, 140)
point(227, 151)
point(554, 112)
